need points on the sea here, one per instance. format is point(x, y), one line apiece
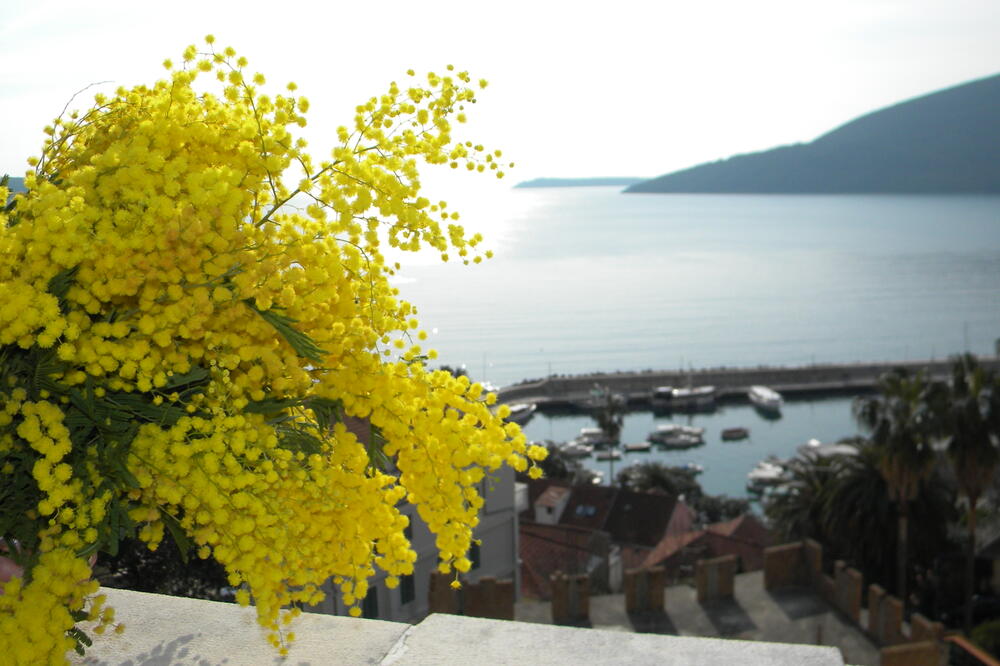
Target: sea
point(591, 279)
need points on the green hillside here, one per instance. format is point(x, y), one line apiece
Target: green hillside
point(944, 142)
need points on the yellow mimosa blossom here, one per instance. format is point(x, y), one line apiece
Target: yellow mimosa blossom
point(182, 349)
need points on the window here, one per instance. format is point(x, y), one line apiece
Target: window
point(475, 556)
point(407, 590)
point(369, 607)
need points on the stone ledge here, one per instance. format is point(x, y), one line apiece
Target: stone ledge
point(171, 630)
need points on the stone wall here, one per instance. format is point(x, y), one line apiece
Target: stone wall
point(487, 597)
point(644, 590)
point(714, 578)
point(801, 564)
point(570, 599)
point(785, 566)
point(926, 653)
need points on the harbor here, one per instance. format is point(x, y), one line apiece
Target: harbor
point(736, 434)
point(731, 384)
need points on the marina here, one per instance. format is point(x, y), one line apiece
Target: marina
point(729, 385)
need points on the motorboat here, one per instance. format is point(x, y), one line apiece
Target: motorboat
point(672, 398)
point(610, 454)
point(640, 447)
point(693, 468)
point(733, 434)
point(521, 412)
point(576, 450)
point(674, 435)
point(765, 399)
point(593, 437)
point(766, 474)
point(821, 450)
point(680, 440)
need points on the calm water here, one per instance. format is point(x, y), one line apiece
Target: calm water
point(726, 463)
point(590, 279)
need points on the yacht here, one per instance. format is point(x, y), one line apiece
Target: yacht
point(594, 437)
point(641, 447)
point(521, 412)
point(696, 397)
point(670, 432)
point(766, 399)
point(576, 450)
point(769, 472)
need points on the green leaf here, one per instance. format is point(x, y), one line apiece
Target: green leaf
point(328, 411)
point(303, 345)
point(271, 405)
point(296, 439)
point(60, 283)
point(197, 375)
point(177, 532)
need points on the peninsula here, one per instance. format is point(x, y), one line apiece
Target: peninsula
point(943, 142)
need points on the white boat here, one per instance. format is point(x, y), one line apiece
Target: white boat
point(767, 473)
point(610, 454)
point(640, 447)
point(817, 448)
point(765, 398)
point(671, 434)
point(680, 440)
point(576, 450)
point(593, 437)
point(668, 397)
point(521, 412)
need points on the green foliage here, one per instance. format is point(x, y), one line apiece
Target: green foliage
point(987, 636)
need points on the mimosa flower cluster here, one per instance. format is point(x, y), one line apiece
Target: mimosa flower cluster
point(193, 310)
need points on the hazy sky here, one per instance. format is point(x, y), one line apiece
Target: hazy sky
point(576, 88)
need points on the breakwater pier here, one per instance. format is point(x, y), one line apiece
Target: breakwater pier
point(731, 383)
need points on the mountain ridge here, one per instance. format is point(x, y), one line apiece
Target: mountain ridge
point(941, 142)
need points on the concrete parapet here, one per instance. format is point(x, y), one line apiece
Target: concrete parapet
point(570, 599)
point(925, 653)
point(784, 566)
point(715, 578)
point(644, 589)
point(848, 583)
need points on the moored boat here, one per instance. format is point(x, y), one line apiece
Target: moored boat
point(576, 450)
point(593, 437)
point(767, 473)
point(640, 447)
point(671, 398)
point(733, 434)
point(676, 436)
point(766, 399)
point(610, 454)
point(521, 412)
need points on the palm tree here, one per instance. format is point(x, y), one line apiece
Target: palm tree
point(857, 509)
point(899, 422)
point(797, 509)
point(968, 411)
